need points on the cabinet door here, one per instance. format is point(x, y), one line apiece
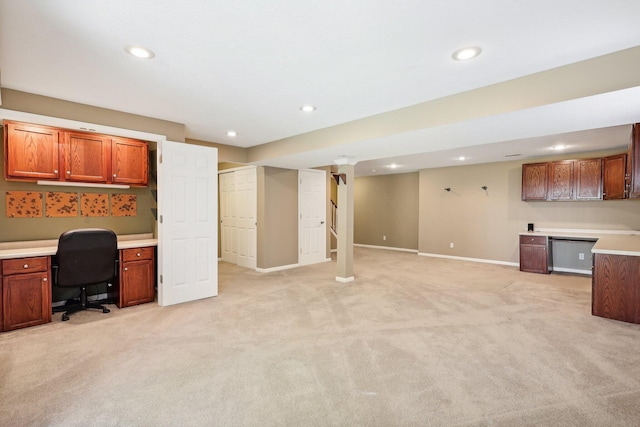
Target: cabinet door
point(534, 254)
point(615, 292)
point(614, 177)
point(26, 300)
point(129, 163)
point(31, 152)
point(136, 283)
point(589, 179)
point(634, 163)
point(87, 157)
point(534, 181)
point(561, 180)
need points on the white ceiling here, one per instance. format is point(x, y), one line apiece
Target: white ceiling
point(249, 65)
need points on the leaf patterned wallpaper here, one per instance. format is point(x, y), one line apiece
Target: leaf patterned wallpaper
point(57, 204)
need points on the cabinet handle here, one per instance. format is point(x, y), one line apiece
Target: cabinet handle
point(114, 175)
point(44, 280)
point(126, 268)
point(55, 171)
point(68, 172)
point(138, 254)
point(26, 266)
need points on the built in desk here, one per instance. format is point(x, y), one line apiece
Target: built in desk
point(615, 267)
point(25, 273)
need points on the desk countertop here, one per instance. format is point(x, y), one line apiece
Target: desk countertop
point(625, 242)
point(26, 249)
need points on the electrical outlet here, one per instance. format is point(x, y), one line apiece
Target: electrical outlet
point(581, 256)
point(451, 245)
point(384, 237)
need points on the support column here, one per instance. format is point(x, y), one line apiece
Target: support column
point(346, 175)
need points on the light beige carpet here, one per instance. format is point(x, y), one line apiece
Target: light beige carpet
point(413, 341)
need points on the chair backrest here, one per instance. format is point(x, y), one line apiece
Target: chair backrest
point(86, 256)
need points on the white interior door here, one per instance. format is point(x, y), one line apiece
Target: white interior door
point(228, 217)
point(239, 216)
point(188, 222)
point(312, 209)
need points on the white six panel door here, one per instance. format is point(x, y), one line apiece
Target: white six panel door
point(188, 222)
point(312, 213)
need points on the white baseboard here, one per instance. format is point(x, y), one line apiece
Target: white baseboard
point(345, 279)
point(390, 248)
point(486, 261)
point(571, 270)
point(278, 268)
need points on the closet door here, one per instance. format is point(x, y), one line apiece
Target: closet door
point(238, 216)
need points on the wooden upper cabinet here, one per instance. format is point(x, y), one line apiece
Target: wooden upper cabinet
point(129, 161)
point(561, 180)
point(634, 163)
point(87, 157)
point(614, 177)
point(588, 179)
point(31, 152)
point(534, 181)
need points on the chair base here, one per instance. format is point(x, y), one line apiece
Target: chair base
point(73, 306)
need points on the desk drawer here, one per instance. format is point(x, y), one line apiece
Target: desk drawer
point(137, 253)
point(533, 240)
point(24, 265)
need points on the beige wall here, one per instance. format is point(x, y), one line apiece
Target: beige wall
point(277, 217)
point(227, 154)
point(485, 224)
point(387, 205)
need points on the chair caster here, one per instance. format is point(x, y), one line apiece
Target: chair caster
point(105, 310)
point(65, 317)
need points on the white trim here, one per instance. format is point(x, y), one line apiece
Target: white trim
point(333, 250)
point(280, 267)
point(345, 279)
point(391, 248)
point(80, 184)
point(486, 261)
point(571, 270)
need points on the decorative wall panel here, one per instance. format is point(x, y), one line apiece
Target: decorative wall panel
point(124, 205)
point(94, 204)
point(61, 205)
point(23, 204)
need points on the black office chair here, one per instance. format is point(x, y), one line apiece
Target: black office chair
point(86, 256)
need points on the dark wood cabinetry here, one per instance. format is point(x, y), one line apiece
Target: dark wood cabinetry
point(87, 157)
point(34, 152)
point(130, 161)
point(561, 180)
point(26, 299)
point(633, 163)
point(616, 287)
point(614, 177)
point(535, 181)
point(31, 152)
point(534, 254)
point(137, 276)
point(588, 179)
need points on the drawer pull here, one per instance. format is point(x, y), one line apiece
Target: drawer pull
point(138, 254)
point(26, 266)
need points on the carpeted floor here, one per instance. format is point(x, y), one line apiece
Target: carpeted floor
point(413, 341)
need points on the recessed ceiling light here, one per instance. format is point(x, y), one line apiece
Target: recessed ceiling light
point(140, 52)
point(466, 53)
point(373, 170)
point(393, 166)
point(308, 108)
point(462, 158)
point(559, 147)
point(232, 133)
